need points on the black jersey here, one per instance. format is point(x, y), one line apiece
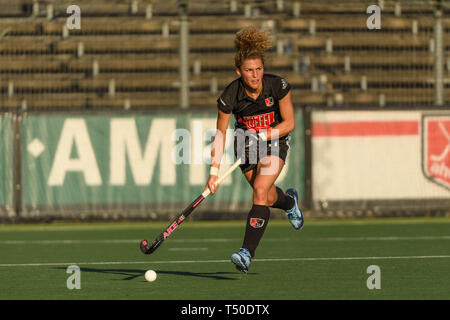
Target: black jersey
point(262, 113)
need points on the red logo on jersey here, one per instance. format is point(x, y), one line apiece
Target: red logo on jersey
point(269, 102)
point(261, 121)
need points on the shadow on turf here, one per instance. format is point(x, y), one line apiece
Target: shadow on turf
point(131, 274)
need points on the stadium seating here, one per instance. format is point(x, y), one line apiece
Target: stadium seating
point(126, 53)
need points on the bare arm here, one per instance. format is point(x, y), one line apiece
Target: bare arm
point(218, 148)
point(219, 140)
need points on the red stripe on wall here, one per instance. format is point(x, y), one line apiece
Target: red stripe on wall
point(365, 128)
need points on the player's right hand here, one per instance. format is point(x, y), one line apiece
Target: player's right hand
point(211, 184)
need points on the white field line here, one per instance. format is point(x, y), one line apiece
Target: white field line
point(392, 238)
point(187, 249)
point(223, 240)
point(221, 261)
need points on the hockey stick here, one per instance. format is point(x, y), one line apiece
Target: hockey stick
point(148, 248)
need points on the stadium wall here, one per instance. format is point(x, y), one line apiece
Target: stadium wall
point(113, 165)
point(381, 162)
point(151, 164)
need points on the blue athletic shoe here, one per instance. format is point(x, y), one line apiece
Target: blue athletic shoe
point(294, 214)
point(242, 260)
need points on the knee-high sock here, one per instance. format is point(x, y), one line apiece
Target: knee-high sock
point(257, 220)
point(284, 201)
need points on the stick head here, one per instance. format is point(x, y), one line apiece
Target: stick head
point(148, 248)
point(145, 246)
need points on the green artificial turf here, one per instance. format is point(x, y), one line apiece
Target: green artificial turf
point(326, 260)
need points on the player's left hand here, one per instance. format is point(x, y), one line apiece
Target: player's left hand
point(212, 184)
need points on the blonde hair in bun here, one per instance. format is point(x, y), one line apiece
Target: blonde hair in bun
point(251, 43)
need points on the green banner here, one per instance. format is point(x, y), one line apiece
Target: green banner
point(120, 160)
point(6, 164)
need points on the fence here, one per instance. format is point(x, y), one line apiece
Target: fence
point(134, 54)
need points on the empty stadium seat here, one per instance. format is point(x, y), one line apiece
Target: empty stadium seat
point(134, 45)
